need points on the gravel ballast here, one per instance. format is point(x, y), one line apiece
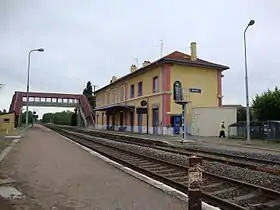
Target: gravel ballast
point(234, 172)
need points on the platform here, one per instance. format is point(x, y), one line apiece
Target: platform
point(256, 146)
point(54, 173)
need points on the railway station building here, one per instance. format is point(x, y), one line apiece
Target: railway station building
point(142, 101)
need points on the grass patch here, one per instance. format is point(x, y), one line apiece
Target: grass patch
point(10, 133)
point(4, 143)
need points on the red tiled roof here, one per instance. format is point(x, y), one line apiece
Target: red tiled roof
point(179, 56)
point(175, 57)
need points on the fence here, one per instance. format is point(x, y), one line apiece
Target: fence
point(258, 130)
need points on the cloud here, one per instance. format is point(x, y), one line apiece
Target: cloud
point(93, 40)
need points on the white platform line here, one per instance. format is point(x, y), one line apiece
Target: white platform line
point(5, 152)
point(155, 183)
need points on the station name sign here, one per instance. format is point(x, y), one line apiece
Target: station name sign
point(195, 90)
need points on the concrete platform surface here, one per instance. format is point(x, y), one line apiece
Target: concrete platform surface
point(54, 173)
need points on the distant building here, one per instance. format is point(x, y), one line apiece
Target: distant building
point(7, 122)
point(118, 104)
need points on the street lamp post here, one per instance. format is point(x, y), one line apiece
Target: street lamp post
point(27, 87)
point(252, 22)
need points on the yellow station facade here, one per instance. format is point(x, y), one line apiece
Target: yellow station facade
point(142, 101)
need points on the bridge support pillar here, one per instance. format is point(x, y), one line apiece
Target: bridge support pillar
point(19, 120)
point(78, 118)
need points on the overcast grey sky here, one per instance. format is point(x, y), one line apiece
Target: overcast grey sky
point(93, 40)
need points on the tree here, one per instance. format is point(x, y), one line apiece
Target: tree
point(241, 113)
point(30, 117)
point(89, 94)
point(266, 106)
point(48, 118)
point(61, 118)
point(3, 112)
point(74, 118)
point(88, 90)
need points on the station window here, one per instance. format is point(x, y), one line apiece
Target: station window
point(155, 85)
point(140, 88)
point(114, 96)
point(108, 98)
point(132, 91)
point(121, 93)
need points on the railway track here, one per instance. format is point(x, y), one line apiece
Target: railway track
point(268, 166)
point(219, 191)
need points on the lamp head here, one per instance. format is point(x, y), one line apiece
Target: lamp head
point(40, 49)
point(252, 22)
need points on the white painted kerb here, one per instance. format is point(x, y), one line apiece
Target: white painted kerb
point(7, 149)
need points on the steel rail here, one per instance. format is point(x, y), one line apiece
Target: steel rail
point(86, 140)
point(206, 155)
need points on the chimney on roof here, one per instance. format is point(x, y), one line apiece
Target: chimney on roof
point(146, 63)
point(114, 78)
point(193, 51)
point(133, 68)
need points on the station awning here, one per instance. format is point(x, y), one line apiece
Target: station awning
point(114, 107)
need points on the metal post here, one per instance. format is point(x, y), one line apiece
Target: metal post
point(136, 60)
point(147, 132)
point(247, 93)
point(94, 88)
point(161, 48)
point(183, 122)
point(27, 86)
point(248, 129)
point(194, 183)
point(33, 120)
point(27, 90)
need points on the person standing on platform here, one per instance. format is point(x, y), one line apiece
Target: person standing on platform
point(222, 130)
